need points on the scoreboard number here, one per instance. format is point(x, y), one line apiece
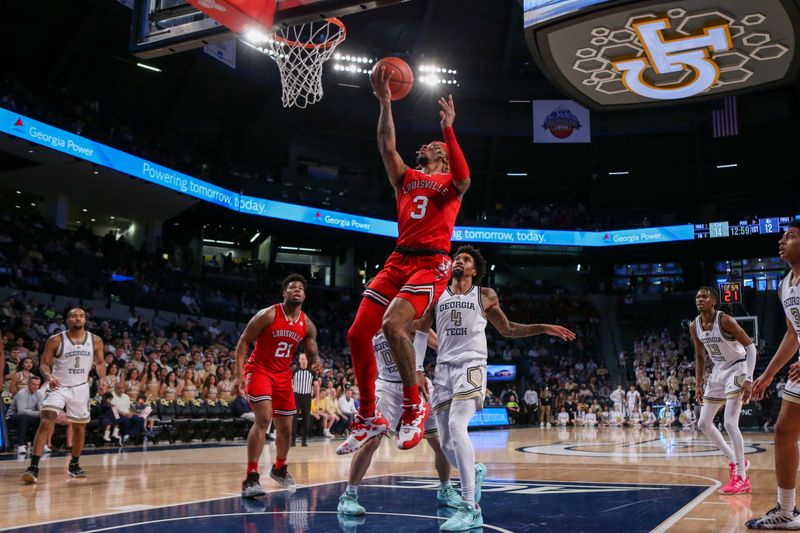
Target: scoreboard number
point(730, 293)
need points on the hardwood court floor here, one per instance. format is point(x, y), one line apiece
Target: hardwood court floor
point(625, 475)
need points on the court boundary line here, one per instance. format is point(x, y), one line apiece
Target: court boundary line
point(259, 513)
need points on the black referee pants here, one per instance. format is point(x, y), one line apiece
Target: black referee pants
point(303, 403)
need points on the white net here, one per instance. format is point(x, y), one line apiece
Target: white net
point(300, 51)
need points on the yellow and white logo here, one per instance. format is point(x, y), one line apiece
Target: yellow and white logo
point(674, 56)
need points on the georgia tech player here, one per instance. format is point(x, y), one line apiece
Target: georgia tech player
point(785, 515)
point(730, 383)
point(460, 314)
point(66, 362)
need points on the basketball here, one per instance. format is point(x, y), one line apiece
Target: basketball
point(401, 77)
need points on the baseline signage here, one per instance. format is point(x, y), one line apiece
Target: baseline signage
point(98, 153)
point(627, 53)
point(489, 417)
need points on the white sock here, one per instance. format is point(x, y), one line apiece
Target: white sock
point(733, 409)
point(115, 433)
point(706, 425)
point(786, 499)
point(353, 489)
point(105, 434)
point(445, 485)
point(461, 412)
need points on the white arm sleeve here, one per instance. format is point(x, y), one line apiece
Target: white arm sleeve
point(420, 347)
point(750, 351)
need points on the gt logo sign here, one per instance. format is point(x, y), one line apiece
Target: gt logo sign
point(674, 56)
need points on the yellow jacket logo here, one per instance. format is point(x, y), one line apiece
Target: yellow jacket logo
point(674, 56)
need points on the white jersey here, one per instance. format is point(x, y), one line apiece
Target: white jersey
point(721, 348)
point(73, 362)
point(790, 299)
point(461, 327)
point(387, 367)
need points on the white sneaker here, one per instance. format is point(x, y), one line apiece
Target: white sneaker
point(22, 449)
point(775, 519)
point(541, 424)
point(361, 430)
point(327, 434)
point(115, 433)
point(46, 449)
point(548, 424)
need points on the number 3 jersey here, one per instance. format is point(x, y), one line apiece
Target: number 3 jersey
point(790, 299)
point(427, 207)
point(461, 327)
point(276, 345)
point(721, 348)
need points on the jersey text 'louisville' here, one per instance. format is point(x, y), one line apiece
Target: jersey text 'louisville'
point(427, 207)
point(276, 345)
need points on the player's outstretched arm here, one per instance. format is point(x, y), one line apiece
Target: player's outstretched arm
point(788, 347)
point(310, 344)
point(99, 363)
point(459, 169)
point(260, 320)
point(496, 316)
point(387, 142)
point(45, 365)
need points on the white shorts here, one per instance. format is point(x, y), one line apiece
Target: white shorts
point(74, 401)
point(792, 391)
point(459, 381)
point(389, 402)
point(724, 383)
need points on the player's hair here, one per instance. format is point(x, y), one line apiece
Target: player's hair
point(477, 258)
point(711, 290)
point(794, 224)
point(293, 277)
point(75, 309)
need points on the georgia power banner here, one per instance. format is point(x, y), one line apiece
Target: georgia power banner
point(561, 121)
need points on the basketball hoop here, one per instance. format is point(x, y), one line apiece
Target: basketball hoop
point(300, 51)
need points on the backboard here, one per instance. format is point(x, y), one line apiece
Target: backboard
point(163, 27)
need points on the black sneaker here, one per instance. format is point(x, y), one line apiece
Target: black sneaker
point(304, 443)
point(75, 470)
point(31, 475)
point(293, 444)
point(775, 519)
point(250, 486)
point(282, 476)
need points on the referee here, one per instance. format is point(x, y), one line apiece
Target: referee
point(302, 383)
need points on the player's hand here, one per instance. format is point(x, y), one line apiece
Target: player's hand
point(698, 394)
point(448, 112)
point(794, 371)
point(423, 386)
point(559, 331)
point(53, 383)
point(747, 392)
point(380, 85)
point(238, 383)
point(760, 385)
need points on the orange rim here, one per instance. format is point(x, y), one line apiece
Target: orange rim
point(327, 44)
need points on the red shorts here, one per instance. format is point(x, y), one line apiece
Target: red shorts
point(262, 385)
point(418, 279)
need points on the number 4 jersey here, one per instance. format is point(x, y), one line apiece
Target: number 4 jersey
point(276, 345)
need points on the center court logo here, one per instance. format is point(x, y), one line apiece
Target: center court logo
point(663, 448)
point(562, 123)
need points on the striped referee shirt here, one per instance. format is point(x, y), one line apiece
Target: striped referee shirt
point(302, 381)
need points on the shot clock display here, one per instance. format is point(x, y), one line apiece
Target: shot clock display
point(730, 293)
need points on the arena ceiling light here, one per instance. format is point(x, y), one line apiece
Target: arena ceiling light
point(619, 173)
point(148, 67)
point(256, 236)
point(516, 174)
point(356, 64)
point(433, 75)
point(728, 165)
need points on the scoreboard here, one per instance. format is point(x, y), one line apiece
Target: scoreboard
point(740, 228)
point(730, 293)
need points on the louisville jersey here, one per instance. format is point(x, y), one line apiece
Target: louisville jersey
point(276, 345)
point(74, 361)
point(461, 326)
point(790, 299)
point(721, 347)
point(387, 367)
point(427, 207)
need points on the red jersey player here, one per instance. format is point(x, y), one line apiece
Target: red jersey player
point(414, 276)
point(267, 377)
